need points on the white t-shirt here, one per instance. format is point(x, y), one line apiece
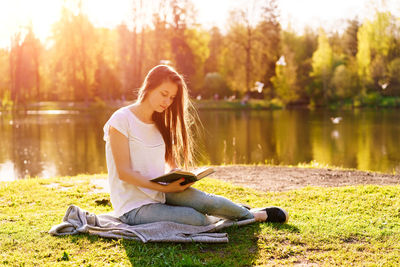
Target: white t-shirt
point(147, 155)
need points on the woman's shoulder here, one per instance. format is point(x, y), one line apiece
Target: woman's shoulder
point(121, 112)
point(118, 120)
point(120, 117)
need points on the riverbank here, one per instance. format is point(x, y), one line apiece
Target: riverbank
point(351, 224)
point(112, 105)
point(367, 101)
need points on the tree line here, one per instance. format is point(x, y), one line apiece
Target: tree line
point(254, 57)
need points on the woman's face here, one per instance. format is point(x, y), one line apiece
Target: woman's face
point(161, 97)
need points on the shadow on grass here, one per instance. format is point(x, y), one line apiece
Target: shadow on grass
point(286, 227)
point(241, 250)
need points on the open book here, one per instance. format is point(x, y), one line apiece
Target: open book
point(190, 176)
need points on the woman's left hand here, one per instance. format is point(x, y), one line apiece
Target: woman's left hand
point(175, 186)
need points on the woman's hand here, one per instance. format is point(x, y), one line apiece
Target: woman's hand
point(176, 186)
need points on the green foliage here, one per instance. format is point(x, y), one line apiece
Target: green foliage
point(364, 56)
point(4, 70)
point(375, 45)
point(372, 99)
point(214, 83)
point(275, 103)
point(251, 46)
point(350, 42)
point(73, 57)
point(198, 41)
point(389, 102)
point(285, 83)
point(393, 86)
point(84, 62)
point(5, 102)
point(344, 82)
point(322, 65)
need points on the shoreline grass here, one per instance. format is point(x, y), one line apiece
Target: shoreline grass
point(370, 101)
point(358, 225)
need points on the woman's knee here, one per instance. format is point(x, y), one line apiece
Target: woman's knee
point(212, 203)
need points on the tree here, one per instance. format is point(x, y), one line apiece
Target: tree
point(4, 77)
point(15, 67)
point(285, 79)
point(344, 82)
point(214, 83)
point(375, 45)
point(269, 34)
point(303, 47)
point(139, 8)
point(182, 11)
point(24, 66)
point(73, 56)
point(160, 45)
point(392, 87)
point(252, 45)
point(243, 36)
point(106, 84)
point(322, 63)
point(33, 49)
point(197, 40)
point(109, 77)
point(215, 46)
point(349, 38)
point(124, 56)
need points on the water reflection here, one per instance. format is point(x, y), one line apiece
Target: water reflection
point(47, 144)
point(257, 137)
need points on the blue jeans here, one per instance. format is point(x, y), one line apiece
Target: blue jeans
point(188, 207)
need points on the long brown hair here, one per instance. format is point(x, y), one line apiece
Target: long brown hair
point(178, 123)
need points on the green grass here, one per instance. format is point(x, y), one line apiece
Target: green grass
point(357, 225)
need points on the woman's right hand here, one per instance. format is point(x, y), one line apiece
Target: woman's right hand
point(176, 186)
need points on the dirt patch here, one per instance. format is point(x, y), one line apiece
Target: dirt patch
point(278, 178)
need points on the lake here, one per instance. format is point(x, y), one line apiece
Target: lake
point(53, 143)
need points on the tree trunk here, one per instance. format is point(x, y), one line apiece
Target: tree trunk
point(248, 59)
point(134, 59)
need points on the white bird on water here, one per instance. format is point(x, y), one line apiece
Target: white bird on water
point(336, 120)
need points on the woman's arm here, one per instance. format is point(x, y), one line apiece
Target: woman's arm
point(120, 150)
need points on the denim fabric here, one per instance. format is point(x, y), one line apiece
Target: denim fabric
point(188, 207)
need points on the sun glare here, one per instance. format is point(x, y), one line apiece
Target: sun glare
point(41, 14)
point(19, 14)
point(16, 15)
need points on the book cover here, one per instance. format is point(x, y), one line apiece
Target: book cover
point(190, 176)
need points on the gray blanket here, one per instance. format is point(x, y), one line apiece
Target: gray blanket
point(78, 221)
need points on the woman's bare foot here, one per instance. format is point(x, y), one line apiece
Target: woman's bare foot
point(260, 216)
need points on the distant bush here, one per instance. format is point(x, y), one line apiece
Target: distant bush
point(5, 102)
point(389, 102)
point(276, 103)
point(214, 83)
point(372, 99)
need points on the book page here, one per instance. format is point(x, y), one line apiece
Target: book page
point(203, 172)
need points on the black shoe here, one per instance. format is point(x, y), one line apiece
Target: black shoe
point(275, 214)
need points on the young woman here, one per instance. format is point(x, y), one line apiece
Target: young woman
point(150, 137)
